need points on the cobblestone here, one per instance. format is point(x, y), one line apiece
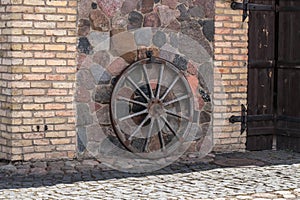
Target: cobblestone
point(278, 178)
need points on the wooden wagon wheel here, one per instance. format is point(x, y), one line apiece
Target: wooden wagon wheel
point(152, 107)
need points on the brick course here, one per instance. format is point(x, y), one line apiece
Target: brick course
point(40, 41)
point(230, 49)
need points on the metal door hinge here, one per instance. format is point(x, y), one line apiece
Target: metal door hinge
point(245, 6)
point(244, 118)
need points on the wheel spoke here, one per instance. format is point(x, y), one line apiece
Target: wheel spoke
point(170, 88)
point(169, 126)
point(139, 128)
point(149, 134)
point(148, 82)
point(139, 89)
point(161, 139)
point(132, 101)
point(176, 115)
point(133, 115)
point(176, 100)
point(159, 81)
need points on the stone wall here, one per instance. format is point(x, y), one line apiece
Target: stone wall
point(115, 34)
point(40, 40)
point(230, 90)
point(38, 79)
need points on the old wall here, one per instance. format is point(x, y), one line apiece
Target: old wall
point(42, 36)
point(40, 41)
point(230, 91)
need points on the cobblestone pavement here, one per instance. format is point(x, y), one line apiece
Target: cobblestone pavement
point(252, 175)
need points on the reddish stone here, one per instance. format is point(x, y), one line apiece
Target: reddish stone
point(171, 3)
point(200, 103)
point(110, 7)
point(80, 60)
point(152, 20)
point(87, 62)
point(146, 6)
point(84, 8)
point(192, 69)
point(128, 6)
point(175, 25)
point(99, 20)
point(82, 95)
point(94, 106)
point(166, 14)
point(117, 66)
point(102, 58)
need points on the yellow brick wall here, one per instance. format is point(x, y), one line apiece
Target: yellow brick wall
point(43, 53)
point(230, 91)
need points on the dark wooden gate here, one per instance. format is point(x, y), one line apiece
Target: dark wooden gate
point(274, 75)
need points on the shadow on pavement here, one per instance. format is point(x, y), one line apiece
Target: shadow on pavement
point(38, 174)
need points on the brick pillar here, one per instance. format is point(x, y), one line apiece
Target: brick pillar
point(37, 80)
point(230, 91)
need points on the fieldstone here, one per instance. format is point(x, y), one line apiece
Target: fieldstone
point(156, 1)
point(208, 107)
point(192, 50)
point(159, 39)
point(174, 39)
point(174, 25)
point(82, 95)
point(200, 103)
point(192, 69)
point(128, 6)
point(180, 62)
point(143, 36)
point(103, 93)
point(85, 79)
point(99, 20)
point(94, 106)
point(83, 27)
point(142, 52)
point(94, 5)
point(135, 20)
point(193, 29)
point(83, 115)
point(110, 7)
point(84, 8)
point(81, 139)
point(171, 3)
point(103, 115)
point(209, 29)
point(80, 59)
point(102, 58)
point(105, 78)
point(117, 66)
point(122, 43)
point(197, 11)
point(166, 14)
point(145, 6)
point(86, 62)
point(95, 133)
point(96, 71)
point(129, 57)
point(204, 117)
point(207, 71)
point(184, 14)
point(152, 20)
point(8, 168)
point(119, 22)
point(99, 40)
point(84, 45)
point(208, 6)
